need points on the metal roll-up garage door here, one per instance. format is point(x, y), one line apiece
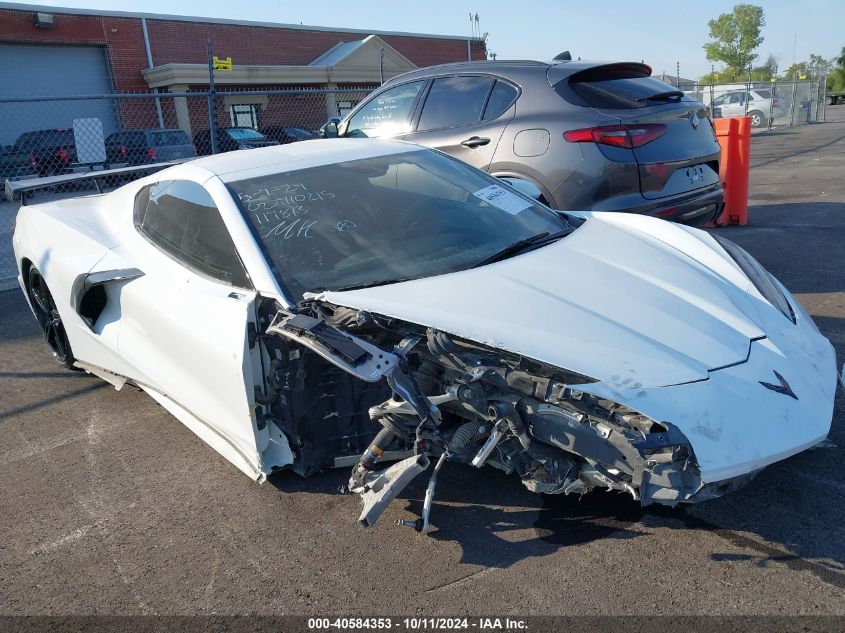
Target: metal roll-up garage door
point(53, 71)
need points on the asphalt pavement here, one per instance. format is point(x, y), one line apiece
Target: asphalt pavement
point(111, 506)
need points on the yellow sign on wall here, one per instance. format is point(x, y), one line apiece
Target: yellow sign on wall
point(222, 64)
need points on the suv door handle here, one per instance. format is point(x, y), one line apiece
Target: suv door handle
point(475, 141)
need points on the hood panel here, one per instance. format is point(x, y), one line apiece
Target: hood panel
point(607, 301)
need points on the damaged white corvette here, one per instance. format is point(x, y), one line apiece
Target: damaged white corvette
point(287, 303)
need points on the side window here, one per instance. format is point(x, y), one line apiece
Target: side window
point(502, 97)
point(180, 218)
point(388, 114)
point(454, 101)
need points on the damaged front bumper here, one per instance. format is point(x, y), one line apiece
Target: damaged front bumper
point(561, 433)
point(735, 423)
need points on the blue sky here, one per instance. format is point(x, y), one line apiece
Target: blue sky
point(659, 32)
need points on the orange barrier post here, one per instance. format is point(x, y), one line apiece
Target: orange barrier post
point(734, 136)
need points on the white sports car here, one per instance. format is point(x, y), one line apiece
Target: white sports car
point(285, 303)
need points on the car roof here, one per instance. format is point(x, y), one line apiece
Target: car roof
point(505, 68)
point(242, 164)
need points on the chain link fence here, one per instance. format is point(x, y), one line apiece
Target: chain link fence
point(58, 135)
point(769, 104)
point(51, 136)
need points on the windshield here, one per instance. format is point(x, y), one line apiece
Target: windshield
point(376, 220)
point(244, 134)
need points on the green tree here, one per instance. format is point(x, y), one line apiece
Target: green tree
point(767, 71)
point(819, 63)
point(797, 71)
point(813, 69)
point(836, 78)
point(734, 37)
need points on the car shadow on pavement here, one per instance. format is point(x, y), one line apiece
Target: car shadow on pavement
point(17, 323)
point(498, 523)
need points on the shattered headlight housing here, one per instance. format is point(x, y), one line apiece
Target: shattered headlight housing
point(759, 276)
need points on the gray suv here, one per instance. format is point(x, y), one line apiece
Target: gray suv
point(591, 136)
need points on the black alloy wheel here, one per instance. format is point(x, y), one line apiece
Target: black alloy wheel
point(49, 319)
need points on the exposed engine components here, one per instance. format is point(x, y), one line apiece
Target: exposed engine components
point(495, 435)
point(455, 400)
point(379, 489)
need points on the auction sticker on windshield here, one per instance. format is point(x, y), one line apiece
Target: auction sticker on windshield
point(503, 199)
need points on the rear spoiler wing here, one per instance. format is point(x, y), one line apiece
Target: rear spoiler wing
point(24, 186)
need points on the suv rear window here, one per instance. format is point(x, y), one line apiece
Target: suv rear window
point(169, 137)
point(764, 94)
point(126, 138)
point(616, 86)
point(45, 138)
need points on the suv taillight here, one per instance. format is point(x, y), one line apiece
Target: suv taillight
point(123, 152)
point(774, 102)
point(629, 136)
point(151, 153)
point(63, 155)
point(33, 160)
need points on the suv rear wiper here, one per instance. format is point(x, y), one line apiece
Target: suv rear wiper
point(522, 246)
point(669, 95)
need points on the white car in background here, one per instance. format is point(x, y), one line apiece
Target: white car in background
point(288, 302)
point(762, 106)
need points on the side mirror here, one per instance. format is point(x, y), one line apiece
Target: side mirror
point(525, 187)
point(329, 130)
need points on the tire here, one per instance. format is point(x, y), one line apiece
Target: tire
point(49, 319)
point(758, 119)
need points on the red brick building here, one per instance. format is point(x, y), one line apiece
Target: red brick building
point(51, 51)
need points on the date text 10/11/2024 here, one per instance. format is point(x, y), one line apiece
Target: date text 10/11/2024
point(418, 624)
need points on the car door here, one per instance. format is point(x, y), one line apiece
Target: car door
point(385, 114)
point(717, 106)
point(465, 116)
point(735, 105)
point(185, 321)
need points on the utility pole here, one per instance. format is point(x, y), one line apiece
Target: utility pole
point(212, 101)
point(150, 65)
point(712, 87)
point(748, 89)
